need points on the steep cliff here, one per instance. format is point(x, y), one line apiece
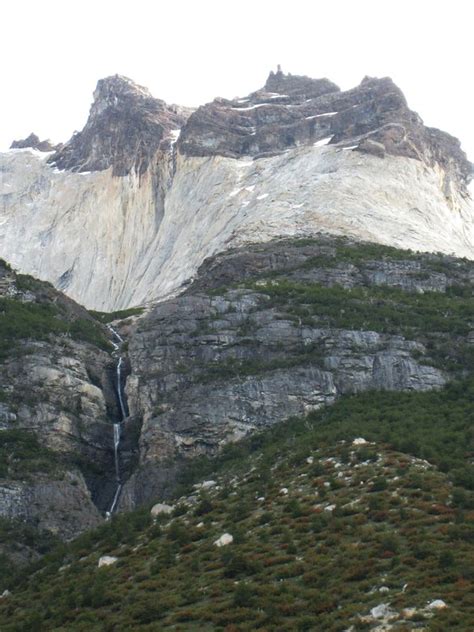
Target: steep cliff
point(126, 211)
point(277, 330)
point(57, 404)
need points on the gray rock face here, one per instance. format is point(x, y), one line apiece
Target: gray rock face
point(125, 130)
point(58, 390)
point(63, 507)
point(413, 275)
point(298, 86)
point(209, 369)
point(33, 142)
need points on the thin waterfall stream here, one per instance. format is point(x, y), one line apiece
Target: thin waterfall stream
point(117, 427)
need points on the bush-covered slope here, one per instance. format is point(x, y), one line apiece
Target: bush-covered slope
point(330, 532)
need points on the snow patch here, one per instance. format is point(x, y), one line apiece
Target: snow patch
point(323, 141)
point(308, 118)
point(42, 155)
point(251, 107)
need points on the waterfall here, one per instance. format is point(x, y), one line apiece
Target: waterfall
point(119, 389)
point(117, 427)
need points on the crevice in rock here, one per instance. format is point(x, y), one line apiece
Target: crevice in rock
point(121, 435)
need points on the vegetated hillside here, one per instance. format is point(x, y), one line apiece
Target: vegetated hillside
point(357, 517)
point(53, 387)
point(276, 330)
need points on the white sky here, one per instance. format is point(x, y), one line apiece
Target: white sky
point(54, 51)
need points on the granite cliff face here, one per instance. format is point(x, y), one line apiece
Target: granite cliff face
point(57, 404)
point(270, 332)
point(126, 211)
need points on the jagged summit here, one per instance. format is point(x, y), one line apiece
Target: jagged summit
point(127, 126)
point(120, 84)
point(297, 85)
point(294, 158)
point(33, 142)
point(125, 129)
point(293, 110)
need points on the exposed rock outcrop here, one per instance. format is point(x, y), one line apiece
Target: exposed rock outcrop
point(215, 364)
point(57, 409)
point(61, 506)
point(33, 142)
point(293, 110)
point(125, 129)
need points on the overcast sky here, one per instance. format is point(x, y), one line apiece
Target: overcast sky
point(54, 51)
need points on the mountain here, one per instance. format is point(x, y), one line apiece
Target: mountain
point(291, 392)
point(126, 211)
point(264, 333)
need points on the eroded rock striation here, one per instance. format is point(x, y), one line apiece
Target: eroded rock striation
point(290, 110)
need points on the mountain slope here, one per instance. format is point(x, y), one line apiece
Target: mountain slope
point(264, 333)
point(330, 532)
point(280, 329)
point(127, 210)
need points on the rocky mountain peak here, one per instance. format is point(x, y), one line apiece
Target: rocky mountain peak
point(33, 142)
point(125, 129)
point(118, 91)
point(292, 111)
point(298, 86)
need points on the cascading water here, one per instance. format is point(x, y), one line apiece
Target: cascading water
point(117, 426)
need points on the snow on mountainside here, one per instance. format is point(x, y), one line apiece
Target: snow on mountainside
point(126, 211)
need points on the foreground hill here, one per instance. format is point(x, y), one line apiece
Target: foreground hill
point(358, 517)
